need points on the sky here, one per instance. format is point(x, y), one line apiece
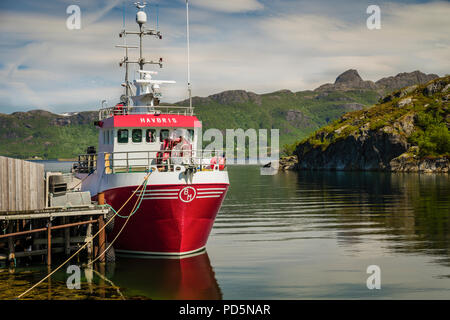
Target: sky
point(255, 45)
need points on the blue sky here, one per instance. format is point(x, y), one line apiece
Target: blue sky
point(255, 45)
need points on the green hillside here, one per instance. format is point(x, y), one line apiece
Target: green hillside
point(49, 136)
point(46, 135)
point(296, 114)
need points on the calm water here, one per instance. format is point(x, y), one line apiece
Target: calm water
point(297, 236)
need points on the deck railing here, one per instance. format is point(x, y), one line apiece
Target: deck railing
point(124, 110)
point(144, 161)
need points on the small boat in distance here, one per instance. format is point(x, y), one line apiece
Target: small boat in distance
point(270, 169)
point(137, 135)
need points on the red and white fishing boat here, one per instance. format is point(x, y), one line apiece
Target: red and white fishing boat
point(185, 189)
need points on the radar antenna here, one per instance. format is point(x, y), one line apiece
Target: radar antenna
point(141, 20)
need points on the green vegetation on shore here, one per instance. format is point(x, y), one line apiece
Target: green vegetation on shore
point(418, 113)
point(38, 134)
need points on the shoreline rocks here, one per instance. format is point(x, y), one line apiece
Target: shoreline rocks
point(410, 163)
point(403, 163)
point(288, 163)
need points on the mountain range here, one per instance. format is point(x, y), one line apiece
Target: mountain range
point(297, 114)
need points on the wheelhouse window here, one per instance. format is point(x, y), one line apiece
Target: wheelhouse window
point(122, 136)
point(191, 134)
point(136, 135)
point(150, 135)
point(163, 134)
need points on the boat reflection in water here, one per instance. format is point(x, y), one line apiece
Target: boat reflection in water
point(190, 278)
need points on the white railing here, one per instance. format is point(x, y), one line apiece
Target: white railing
point(124, 110)
point(144, 161)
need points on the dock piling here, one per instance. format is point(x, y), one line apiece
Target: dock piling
point(49, 242)
point(11, 248)
point(66, 238)
point(89, 240)
point(101, 224)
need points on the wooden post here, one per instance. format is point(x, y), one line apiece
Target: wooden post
point(66, 237)
point(90, 242)
point(101, 281)
point(49, 242)
point(49, 284)
point(89, 274)
point(101, 224)
point(11, 248)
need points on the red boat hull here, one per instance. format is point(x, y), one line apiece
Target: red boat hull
point(171, 220)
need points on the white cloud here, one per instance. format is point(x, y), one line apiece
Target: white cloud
point(274, 50)
point(229, 5)
point(412, 37)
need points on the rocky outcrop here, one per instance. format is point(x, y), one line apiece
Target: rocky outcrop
point(82, 118)
point(371, 150)
point(236, 97)
point(405, 79)
point(385, 137)
point(288, 163)
point(226, 98)
point(298, 119)
point(410, 163)
point(349, 80)
point(32, 118)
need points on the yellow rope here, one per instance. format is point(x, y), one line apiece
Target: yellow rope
point(110, 282)
point(86, 244)
point(120, 231)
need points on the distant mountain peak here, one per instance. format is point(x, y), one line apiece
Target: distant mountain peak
point(351, 80)
point(235, 96)
point(348, 77)
point(348, 80)
point(405, 79)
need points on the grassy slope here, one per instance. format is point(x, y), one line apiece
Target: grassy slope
point(271, 114)
point(431, 116)
point(32, 135)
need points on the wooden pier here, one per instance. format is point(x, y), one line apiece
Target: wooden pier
point(30, 227)
point(21, 185)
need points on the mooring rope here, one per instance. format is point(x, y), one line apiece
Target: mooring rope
point(110, 282)
point(133, 211)
point(87, 243)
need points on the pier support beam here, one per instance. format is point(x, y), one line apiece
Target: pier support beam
point(49, 242)
point(66, 237)
point(90, 249)
point(102, 235)
point(11, 248)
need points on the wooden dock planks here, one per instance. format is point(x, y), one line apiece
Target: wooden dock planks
point(21, 185)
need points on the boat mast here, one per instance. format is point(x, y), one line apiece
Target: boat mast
point(125, 61)
point(188, 58)
point(141, 19)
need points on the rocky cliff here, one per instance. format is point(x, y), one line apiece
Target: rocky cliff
point(408, 131)
point(351, 80)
